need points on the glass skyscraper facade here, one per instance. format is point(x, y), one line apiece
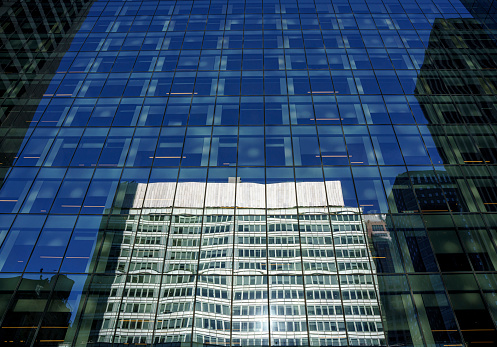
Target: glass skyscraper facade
point(248, 173)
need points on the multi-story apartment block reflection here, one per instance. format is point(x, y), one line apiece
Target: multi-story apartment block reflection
point(235, 273)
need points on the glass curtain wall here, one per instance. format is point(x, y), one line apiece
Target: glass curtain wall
point(248, 173)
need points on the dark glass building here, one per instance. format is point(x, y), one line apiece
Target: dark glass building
point(248, 173)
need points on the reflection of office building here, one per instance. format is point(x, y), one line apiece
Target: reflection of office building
point(431, 191)
point(455, 91)
point(378, 233)
point(44, 299)
point(34, 37)
point(484, 11)
point(246, 277)
point(457, 124)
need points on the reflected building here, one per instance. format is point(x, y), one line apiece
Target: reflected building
point(37, 299)
point(484, 11)
point(34, 37)
point(453, 91)
point(294, 274)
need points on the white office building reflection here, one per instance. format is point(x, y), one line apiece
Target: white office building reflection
point(242, 264)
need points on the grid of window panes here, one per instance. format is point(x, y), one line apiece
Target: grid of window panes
point(251, 173)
